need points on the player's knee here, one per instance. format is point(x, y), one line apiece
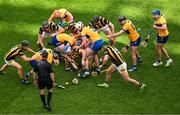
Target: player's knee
point(19, 67)
point(105, 59)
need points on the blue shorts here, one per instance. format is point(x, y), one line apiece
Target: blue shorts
point(33, 63)
point(136, 43)
point(162, 40)
point(96, 46)
point(54, 41)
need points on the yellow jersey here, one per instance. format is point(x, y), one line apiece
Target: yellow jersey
point(14, 53)
point(89, 33)
point(159, 22)
point(130, 29)
point(37, 56)
point(61, 13)
point(65, 37)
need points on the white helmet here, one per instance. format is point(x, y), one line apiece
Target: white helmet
point(79, 26)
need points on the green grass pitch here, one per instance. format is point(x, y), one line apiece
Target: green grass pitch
point(21, 19)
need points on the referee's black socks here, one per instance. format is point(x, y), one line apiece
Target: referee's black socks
point(43, 100)
point(49, 96)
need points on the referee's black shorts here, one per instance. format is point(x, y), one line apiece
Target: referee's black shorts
point(45, 83)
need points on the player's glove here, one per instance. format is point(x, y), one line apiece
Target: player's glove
point(144, 43)
point(125, 49)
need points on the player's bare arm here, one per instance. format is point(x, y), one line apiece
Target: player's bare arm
point(116, 34)
point(111, 26)
point(163, 27)
point(26, 58)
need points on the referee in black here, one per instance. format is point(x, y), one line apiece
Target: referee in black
point(45, 79)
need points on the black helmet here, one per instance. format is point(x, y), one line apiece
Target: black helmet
point(44, 54)
point(25, 43)
point(96, 18)
point(71, 26)
point(45, 24)
point(121, 18)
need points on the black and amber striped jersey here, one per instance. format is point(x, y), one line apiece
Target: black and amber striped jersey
point(14, 52)
point(114, 55)
point(52, 28)
point(99, 24)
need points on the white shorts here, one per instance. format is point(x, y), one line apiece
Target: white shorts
point(45, 35)
point(103, 29)
point(8, 62)
point(121, 68)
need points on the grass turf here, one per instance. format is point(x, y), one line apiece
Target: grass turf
point(21, 19)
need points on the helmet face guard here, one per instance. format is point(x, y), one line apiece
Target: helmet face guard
point(96, 18)
point(79, 26)
point(25, 43)
point(121, 18)
point(45, 24)
point(72, 28)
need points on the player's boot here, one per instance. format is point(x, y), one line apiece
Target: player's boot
point(86, 74)
point(68, 68)
point(157, 63)
point(24, 81)
point(142, 88)
point(103, 85)
point(168, 62)
point(48, 107)
point(134, 68)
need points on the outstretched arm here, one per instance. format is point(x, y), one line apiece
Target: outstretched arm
point(30, 50)
point(111, 26)
point(70, 16)
point(26, 58)
point(116, 34)
point(51, 17)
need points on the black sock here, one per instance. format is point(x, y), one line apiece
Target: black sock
point(22, 79)
point(140, 84)
point(87, 70)
point(159, 61)
point(43, 99)
point(167, 58)
point(134, 65)
point(49, 96)
point(107, 82)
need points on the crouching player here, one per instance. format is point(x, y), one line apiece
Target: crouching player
point(64, 43)
point(52, 57)
point(15, 52)
point(119, 64)
point(47, 29)
point(64, 16)
point(93, 46)
point(80, 44)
